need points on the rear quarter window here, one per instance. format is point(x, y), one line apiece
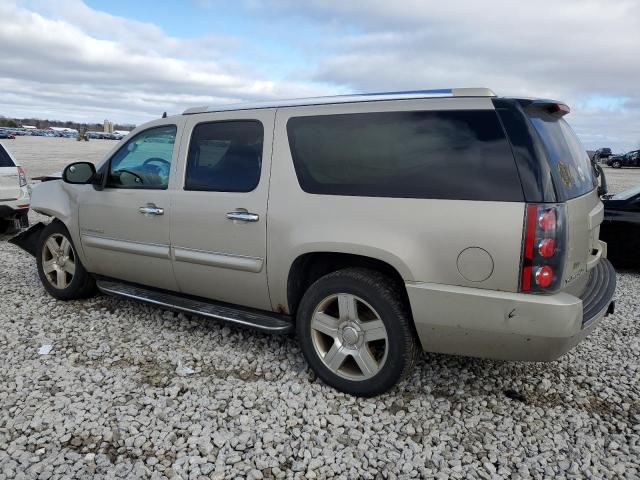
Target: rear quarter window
point(411, 154)
point(570, 165)
point(5, 159)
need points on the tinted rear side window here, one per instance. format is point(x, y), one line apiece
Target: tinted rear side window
point(5, 160)
point(569, 162)
point(225, 156)
point(421, 154)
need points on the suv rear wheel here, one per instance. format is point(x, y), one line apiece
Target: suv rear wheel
point(355, 331)
point(616, 164)
point(59, 267)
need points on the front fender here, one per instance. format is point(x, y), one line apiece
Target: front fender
point(52, 199)
point(60, 200)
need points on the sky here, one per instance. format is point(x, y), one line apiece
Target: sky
point(131, 61)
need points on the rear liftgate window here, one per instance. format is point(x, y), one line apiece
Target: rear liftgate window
point(569, 162)
point(423, 154)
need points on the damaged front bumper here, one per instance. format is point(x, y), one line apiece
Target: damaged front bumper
point(28, 239)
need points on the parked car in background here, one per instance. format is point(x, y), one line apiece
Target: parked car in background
point(601, 154)
point(621, 227)
point(7, 134)
point(14, 193)
point(104, 136)
point(630, 159)
point(451, 221)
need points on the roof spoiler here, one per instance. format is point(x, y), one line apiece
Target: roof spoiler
point(553, 107)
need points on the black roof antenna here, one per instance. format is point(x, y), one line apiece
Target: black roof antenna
point(164, 115)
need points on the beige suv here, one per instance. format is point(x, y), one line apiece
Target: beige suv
point(373, 225)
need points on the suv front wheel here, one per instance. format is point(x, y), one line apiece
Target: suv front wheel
point(355, 331)
point(59, 267)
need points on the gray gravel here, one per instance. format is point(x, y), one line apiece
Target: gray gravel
point(135, 392)
point(45, 155)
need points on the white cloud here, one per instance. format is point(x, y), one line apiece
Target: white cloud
point(130, 74)
point(573, 50)
point(71, 61)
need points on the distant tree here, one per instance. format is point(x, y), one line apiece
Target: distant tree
point(7, 122)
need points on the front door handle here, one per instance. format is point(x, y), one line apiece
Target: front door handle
point(243, 216)
point(151, 209)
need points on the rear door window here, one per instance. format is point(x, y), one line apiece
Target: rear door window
point(225, 156)
point(409, 154)
point(569, 161)
point(5, 160)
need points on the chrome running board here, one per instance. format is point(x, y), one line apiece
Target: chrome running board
point(255, 319)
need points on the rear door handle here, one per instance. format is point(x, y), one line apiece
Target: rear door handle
point(243, 216)
point(151, 209)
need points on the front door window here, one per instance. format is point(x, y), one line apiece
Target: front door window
point(144, 161)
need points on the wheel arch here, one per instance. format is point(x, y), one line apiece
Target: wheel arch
point(309, 267)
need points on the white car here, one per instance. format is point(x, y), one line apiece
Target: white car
point(14, 193)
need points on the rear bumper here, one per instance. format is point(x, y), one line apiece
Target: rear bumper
point(505, 325)
point(12, 208)
point(8, 212)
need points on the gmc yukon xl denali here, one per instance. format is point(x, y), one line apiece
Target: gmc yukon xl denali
point(374, 226)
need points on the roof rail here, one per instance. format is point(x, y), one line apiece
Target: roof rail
point(350, 98)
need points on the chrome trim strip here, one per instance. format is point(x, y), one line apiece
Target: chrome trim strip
point(350, 98)
point(218, 259)
point(127, 246)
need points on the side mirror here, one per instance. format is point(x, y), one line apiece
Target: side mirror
point(79, 173)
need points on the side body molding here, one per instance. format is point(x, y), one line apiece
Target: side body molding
point(126, 246)
point(217, 259)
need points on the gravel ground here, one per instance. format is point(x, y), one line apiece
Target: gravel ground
point(132, 391)
point(45, 155)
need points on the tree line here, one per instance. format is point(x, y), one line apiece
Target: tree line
point(43, 124)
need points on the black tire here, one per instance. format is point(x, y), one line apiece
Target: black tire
point(81, 283)
point(387, 301)
point(5, 225)
point(616, 164)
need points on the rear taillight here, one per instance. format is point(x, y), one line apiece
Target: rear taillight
point(543, 249)
point(22, 177)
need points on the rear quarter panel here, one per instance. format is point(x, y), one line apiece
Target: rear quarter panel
point(420, 238)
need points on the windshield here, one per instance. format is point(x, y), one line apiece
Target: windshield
point(569, 162)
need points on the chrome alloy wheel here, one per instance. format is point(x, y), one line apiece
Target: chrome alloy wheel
point(349, 336)
point(58, 261)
